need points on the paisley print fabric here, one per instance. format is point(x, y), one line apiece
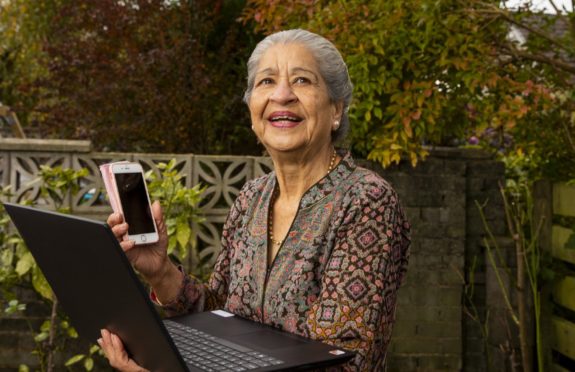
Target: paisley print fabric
point(336, 275)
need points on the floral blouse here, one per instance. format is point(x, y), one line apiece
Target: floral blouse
point(335, 277)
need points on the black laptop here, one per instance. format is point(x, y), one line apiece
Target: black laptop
point(97, 287)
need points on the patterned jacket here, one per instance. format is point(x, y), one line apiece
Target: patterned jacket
point(336, 275)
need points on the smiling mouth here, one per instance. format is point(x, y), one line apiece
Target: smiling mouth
point(284, 119)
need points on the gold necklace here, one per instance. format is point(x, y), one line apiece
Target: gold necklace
point(273, 200)
point(332, 162)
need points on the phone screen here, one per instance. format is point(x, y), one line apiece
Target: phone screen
point(132, 192)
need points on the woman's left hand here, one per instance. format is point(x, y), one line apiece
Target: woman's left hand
point(116, 354)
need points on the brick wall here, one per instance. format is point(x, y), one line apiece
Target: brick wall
point(432, 331)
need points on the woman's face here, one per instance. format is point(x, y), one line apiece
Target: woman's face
point(289, 105)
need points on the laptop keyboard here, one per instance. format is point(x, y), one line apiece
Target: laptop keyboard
point(211, 353)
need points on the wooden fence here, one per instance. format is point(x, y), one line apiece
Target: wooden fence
point(563, 289)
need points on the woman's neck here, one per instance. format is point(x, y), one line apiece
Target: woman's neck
point(296, 173)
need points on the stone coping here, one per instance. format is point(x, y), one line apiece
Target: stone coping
point(84, 146)
point(44, 145)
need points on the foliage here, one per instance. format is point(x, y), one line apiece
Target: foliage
point(545, 58)
point(22, 26)
point(534, 267)
point(471, 309)
point(59, 183)
point(87, 359)
point(11, 250)
point(18, 268)
point(181, 209)
point(436, 72)
point(167, 76)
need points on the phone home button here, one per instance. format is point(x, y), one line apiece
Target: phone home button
point(143, 238)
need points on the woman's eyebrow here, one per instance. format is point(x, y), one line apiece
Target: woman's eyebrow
point(302, 69)
point(266, 71)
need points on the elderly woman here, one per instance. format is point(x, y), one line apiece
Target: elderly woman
point(318, 247)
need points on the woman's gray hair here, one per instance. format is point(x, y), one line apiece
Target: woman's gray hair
point(332, 68)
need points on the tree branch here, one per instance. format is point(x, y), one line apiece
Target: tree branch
point(557, 10)
point(541, 58)
point(504, 14)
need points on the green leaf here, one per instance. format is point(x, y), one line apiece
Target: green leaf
point(72, 332)
point(172, 243)
point(183, 233)
point(368, 116)
point(14, 307)
point(40, 284)
point(89, 364)
point(7, 257)
point(94, 349)
point(171, 164)
point(41, 337)
point(45, 327)
point(75, 359)
point(25, 263)
point(15, 240)
point(23, 368)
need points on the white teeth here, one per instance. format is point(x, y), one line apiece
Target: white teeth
point(279, 118)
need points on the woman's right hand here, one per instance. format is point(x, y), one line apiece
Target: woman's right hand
point(151, 260)
point(117, 356)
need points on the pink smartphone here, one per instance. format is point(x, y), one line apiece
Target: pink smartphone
point(132, 194)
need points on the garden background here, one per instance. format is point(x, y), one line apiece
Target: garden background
point(474, 101)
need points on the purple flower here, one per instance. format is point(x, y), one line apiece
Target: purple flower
point(473, 140)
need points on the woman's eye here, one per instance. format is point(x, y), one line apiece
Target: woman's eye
point(301, 80)
point(265, 81)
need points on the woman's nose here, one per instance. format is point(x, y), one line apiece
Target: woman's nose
point(283, 93)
